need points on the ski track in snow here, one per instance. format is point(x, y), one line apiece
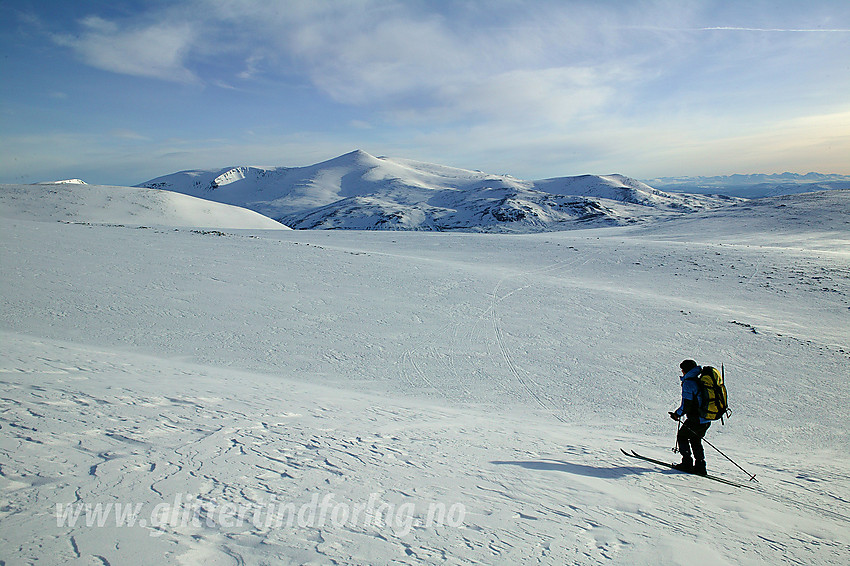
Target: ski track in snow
point(257, 369)
point(527, 383)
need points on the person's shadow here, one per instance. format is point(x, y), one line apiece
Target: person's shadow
point(605, 472)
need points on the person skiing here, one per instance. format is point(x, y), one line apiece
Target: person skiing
point(692, 431)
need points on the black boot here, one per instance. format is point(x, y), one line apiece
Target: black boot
point(699, 468)
point(687, 464)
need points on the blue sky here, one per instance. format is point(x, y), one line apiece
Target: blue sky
point(121, 91)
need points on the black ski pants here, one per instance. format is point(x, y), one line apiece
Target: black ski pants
point(690, 439)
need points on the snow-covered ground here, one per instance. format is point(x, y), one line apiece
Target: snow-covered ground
point(754, 186)
point(310, 397)
point(75, 201)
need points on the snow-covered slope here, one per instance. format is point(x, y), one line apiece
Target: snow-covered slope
point(79, 202)
point(754, 186)
point(325, 397)
point(624, 189)
point(358, 190)
point(813, 221)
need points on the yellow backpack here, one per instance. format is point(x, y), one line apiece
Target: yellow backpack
point(714, 404)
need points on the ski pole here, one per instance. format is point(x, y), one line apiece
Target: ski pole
point(752, 476)
point(678, 428)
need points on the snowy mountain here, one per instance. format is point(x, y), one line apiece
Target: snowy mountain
point(64, 182)
point(754, 186)
point(360, 191)
point(75, 201)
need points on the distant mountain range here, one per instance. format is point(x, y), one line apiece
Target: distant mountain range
point(753, 186)
point(360, 191)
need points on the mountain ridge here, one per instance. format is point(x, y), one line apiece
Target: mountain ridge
point(357, 190)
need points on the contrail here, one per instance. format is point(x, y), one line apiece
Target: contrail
point(740, 28)
point(783, 30)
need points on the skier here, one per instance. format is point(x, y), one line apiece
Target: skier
point(692, 431)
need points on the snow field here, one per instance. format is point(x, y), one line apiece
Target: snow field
point(70, 201)
point(492, 375)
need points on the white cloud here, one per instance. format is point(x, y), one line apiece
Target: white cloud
point(543, 60)
point(252, 64)
point(420, 67)
point(546, 84)
point(361, 62)
point(157, 50)
point(554, 95)
point(126, 134)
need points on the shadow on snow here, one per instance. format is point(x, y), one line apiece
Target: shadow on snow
point(606, 472)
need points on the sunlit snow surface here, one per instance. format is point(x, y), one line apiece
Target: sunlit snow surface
point(422, 397)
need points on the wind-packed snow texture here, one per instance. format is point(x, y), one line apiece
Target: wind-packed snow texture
point(183, 396)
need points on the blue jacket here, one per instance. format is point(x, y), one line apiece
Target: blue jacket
point(691, 397)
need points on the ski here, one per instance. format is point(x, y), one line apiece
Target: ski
point(634, 454)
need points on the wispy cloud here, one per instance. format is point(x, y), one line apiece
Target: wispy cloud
point(524, 83)
point(125, 134)
point(157, 50)
point(415, 65)
point(252, 65)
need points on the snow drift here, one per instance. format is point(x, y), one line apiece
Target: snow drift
point(78, 202)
